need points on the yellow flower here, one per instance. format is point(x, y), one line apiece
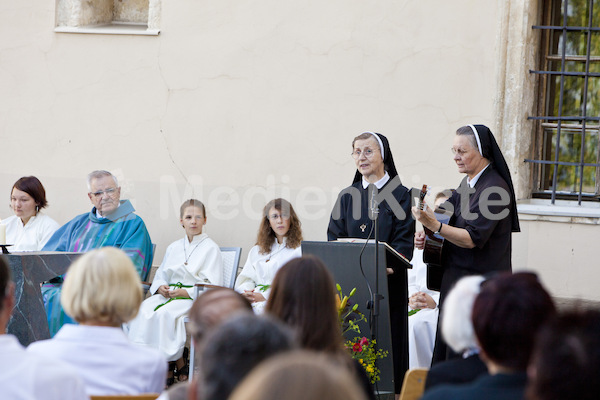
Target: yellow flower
point(360, 360)
point(369, 369)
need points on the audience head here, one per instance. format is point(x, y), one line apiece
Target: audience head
point(299, 375)
point(7, 300)
point(102, 287)
point(507, 314)
point(104, 191)
point(279, 220)
point(566, 360)
point(213, 307)
point(234, 348)
point(303, 297)
point(457, 328)
point(27, 197)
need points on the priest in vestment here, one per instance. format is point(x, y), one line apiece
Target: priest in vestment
point(111, 222)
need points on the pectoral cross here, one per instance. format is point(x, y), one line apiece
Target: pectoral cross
point(363, 227)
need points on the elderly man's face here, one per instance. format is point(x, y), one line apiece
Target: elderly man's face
point(104, 194)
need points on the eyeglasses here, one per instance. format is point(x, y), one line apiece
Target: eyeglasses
point(367, 152)
point(460, 152)
point(109, 192)
point(274, 217)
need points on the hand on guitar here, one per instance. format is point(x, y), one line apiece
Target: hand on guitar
point(426, 217)
point(420, 240)
point(420, 300)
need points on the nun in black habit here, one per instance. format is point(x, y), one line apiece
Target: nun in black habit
point(395, 226)
point(483, 211)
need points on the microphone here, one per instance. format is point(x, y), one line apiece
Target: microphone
point(374, 206)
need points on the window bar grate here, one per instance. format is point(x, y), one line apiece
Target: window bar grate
point(566, 73)
point(560, 102)
point(572, 118)
point(567, 28)
point(585, 94)
point(585, 122)
point(565, 163)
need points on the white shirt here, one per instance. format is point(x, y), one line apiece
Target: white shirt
point(472, 182)
point(27, 376)
point(30, 237)
point(108, 363)
point(379, 184)
point(204, 264)
point(260, 269)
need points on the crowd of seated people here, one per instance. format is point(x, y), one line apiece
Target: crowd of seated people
point(507, 314)
point(107, 340)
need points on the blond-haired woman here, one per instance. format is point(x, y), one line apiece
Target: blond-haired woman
point(278, 241)
point(101, 291)
point(298, 375)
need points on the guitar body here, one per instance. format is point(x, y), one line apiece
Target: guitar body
point(432, 253)
point(432, 257)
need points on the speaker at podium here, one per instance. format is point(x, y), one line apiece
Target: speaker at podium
point(352, 263)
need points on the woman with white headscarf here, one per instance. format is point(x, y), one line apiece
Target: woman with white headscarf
point(395, 226)
point(483, 214)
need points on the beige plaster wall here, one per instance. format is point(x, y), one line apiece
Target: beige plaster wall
point(563, 254)
point(239, 102)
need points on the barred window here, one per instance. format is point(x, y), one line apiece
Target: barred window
point(567, 154)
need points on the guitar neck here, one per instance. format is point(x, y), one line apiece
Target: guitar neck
point(422, 195)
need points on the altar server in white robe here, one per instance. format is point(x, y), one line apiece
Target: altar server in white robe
point(278, 241)
point(422, 325)
point(29, 229)
point(193, 259)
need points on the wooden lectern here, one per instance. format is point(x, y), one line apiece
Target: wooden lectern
point(343, 259)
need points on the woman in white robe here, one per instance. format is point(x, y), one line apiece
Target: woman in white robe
point(422, 325)
point(193, 259)
point(278, 241)
point(29, 229)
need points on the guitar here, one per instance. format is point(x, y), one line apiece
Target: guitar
point(432, 252)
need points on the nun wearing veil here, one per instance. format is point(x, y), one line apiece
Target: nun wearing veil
point(375, 167)
point(483, 215)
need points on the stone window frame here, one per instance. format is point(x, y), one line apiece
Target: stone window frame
point(98, 17)
point(518, 49)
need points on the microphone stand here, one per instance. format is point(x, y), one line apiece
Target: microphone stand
point(376, 296)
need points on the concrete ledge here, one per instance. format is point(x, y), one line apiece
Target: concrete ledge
point(567, 303)
point(114, 28)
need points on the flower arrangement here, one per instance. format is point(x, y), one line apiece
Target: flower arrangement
point(360, 348)
point(367, 354)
